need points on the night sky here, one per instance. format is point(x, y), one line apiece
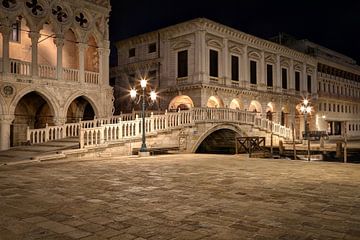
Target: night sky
point(332, 24)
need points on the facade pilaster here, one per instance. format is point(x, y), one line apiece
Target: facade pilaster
point(278, 74)
point(225, 68)
point(245, 82)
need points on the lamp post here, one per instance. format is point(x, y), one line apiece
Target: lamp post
point(133, 94)
point(306, 109)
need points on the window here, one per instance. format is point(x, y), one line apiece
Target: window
point(214, 71)
point(297, 81)
point(284, 78)
point(309, 84)
point(152, 47)
point(253, 70)
point(235, 68)
point(131, 52)
point(15, 32)
point(269, 75)
point(182, 64)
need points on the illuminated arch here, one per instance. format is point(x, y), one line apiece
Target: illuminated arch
point(255, 106)
point(87, 98)
point(183, 102)
point(236, 103)
point(215, 102)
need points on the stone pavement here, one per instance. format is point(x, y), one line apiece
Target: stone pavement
point(180, 197)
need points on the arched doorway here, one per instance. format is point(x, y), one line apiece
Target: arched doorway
point(70, 52)
point(182, 102)
point(47, 51)
point(92, 55)
point(32, 110)
point(221, 141)
point(215, 102)
point(80, 109)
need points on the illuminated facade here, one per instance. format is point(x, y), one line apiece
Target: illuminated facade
point(54, 63)
point(201, 63)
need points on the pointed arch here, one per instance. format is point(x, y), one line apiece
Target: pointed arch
point(86, 97)
point(255, 106)
point(236, 103)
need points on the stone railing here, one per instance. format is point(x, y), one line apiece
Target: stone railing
point(71, 75)
point(91, 77)
point(20, 67)
point(46, 71)
point(126, 126)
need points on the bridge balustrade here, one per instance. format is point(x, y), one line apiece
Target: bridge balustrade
point(125, 126)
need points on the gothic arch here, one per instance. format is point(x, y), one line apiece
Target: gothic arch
point(46, 95)
point(77, 95)
point(217, 127)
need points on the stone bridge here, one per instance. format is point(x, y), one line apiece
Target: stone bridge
point(195, 130)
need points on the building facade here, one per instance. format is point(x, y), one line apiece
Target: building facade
point(201, 63)
point(54, 63)
point(338, 106)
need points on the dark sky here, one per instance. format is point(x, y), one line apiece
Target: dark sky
point(334, 24)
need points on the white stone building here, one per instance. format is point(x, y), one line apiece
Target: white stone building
point(54, 63)
point(201, 63)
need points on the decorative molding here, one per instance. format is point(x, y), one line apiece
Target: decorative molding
point(214, 43)
point(181, 44)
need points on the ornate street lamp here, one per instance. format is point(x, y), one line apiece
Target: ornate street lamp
point(306, 109)
point(152, 95)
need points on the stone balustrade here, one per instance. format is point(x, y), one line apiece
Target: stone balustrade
point(23, 68)
point(115, 128)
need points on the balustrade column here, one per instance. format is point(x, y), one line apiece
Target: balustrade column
point(34, 53)
point(5, 122)
point(82, 47)
point(6, 39)
point(59, 42)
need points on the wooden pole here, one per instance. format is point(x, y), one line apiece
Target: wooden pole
point(293, 135)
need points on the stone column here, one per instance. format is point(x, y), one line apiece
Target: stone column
point(245, 82)
point(104, 80)
point(82, 47)
point(5, 122)
point(59, 42)
point(6, 39)
point(34, 52)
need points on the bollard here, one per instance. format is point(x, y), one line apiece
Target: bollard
point(281, 147)
point(338, 149)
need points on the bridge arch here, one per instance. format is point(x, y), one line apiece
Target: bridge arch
point(229, 131)
point(182, 102)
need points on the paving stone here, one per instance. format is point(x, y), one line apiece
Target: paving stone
point(55, 227)
point(180, 197)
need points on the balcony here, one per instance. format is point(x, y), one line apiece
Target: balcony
point(23, 68)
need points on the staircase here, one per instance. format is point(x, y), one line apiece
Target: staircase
point(21, 153)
